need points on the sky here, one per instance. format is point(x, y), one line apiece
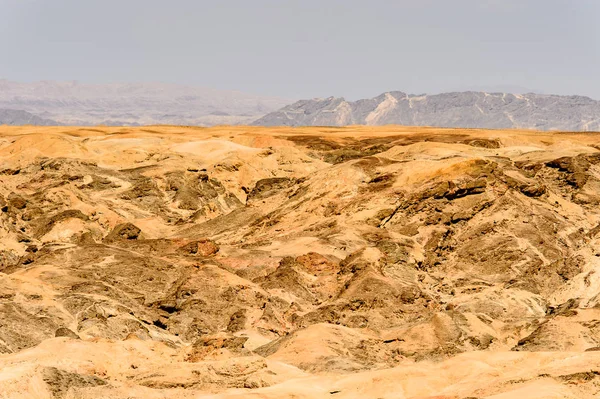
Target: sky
point(308, 48)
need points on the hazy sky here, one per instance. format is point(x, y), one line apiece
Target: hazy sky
point(308, 48)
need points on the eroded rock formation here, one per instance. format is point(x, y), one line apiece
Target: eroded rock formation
point(317, 262)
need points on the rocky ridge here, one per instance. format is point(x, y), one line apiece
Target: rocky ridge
point(460, 109)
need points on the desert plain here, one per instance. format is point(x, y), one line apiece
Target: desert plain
point(250, 262)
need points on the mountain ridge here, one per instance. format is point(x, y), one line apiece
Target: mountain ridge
point(454, 109)
point(75, 103)
point(14, 117)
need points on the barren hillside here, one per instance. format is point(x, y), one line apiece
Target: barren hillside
point(460, 109)
point(249, 262)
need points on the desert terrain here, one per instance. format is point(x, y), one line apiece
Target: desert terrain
point(250, 262)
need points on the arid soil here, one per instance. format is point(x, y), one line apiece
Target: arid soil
point(245, 262)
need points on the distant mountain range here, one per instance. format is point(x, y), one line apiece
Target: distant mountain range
point(19, 117)
point(460, 109)
point(74, 103)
